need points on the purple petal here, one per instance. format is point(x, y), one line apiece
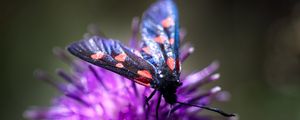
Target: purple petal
point(198, 77)
point(185, 52)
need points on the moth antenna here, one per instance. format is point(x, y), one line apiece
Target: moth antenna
point(217, 110)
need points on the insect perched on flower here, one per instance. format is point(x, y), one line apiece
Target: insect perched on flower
point(155, 64)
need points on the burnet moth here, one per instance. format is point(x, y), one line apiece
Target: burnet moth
point(155, 64)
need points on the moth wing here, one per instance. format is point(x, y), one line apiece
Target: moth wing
point(160, 35)
point(112, 55)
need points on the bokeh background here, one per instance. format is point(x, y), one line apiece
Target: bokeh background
point(256, 41)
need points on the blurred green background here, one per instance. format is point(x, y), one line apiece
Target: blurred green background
point(256, 41)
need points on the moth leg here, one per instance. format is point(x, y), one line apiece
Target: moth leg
point(157, 106)
point(147, 99)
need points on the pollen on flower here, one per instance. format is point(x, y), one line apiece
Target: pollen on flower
point(215, 76)
point(215, 89)
point(191, 49)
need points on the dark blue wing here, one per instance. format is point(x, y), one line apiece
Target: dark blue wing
point(112, 55)
point(160, 35)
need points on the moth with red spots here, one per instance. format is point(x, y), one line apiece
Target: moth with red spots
point(155, 64)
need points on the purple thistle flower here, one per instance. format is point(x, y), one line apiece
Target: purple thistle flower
point(93, 93)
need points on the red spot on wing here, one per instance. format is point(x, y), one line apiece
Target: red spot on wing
point(160, 39)
point(142, 81)
point(145, 73)
point(146, 50)
point(119, 65)
point(97, 56)
point(171, 63)
point(121, 57)
point(171, 41)
point(168, 22)
point(178, 64)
